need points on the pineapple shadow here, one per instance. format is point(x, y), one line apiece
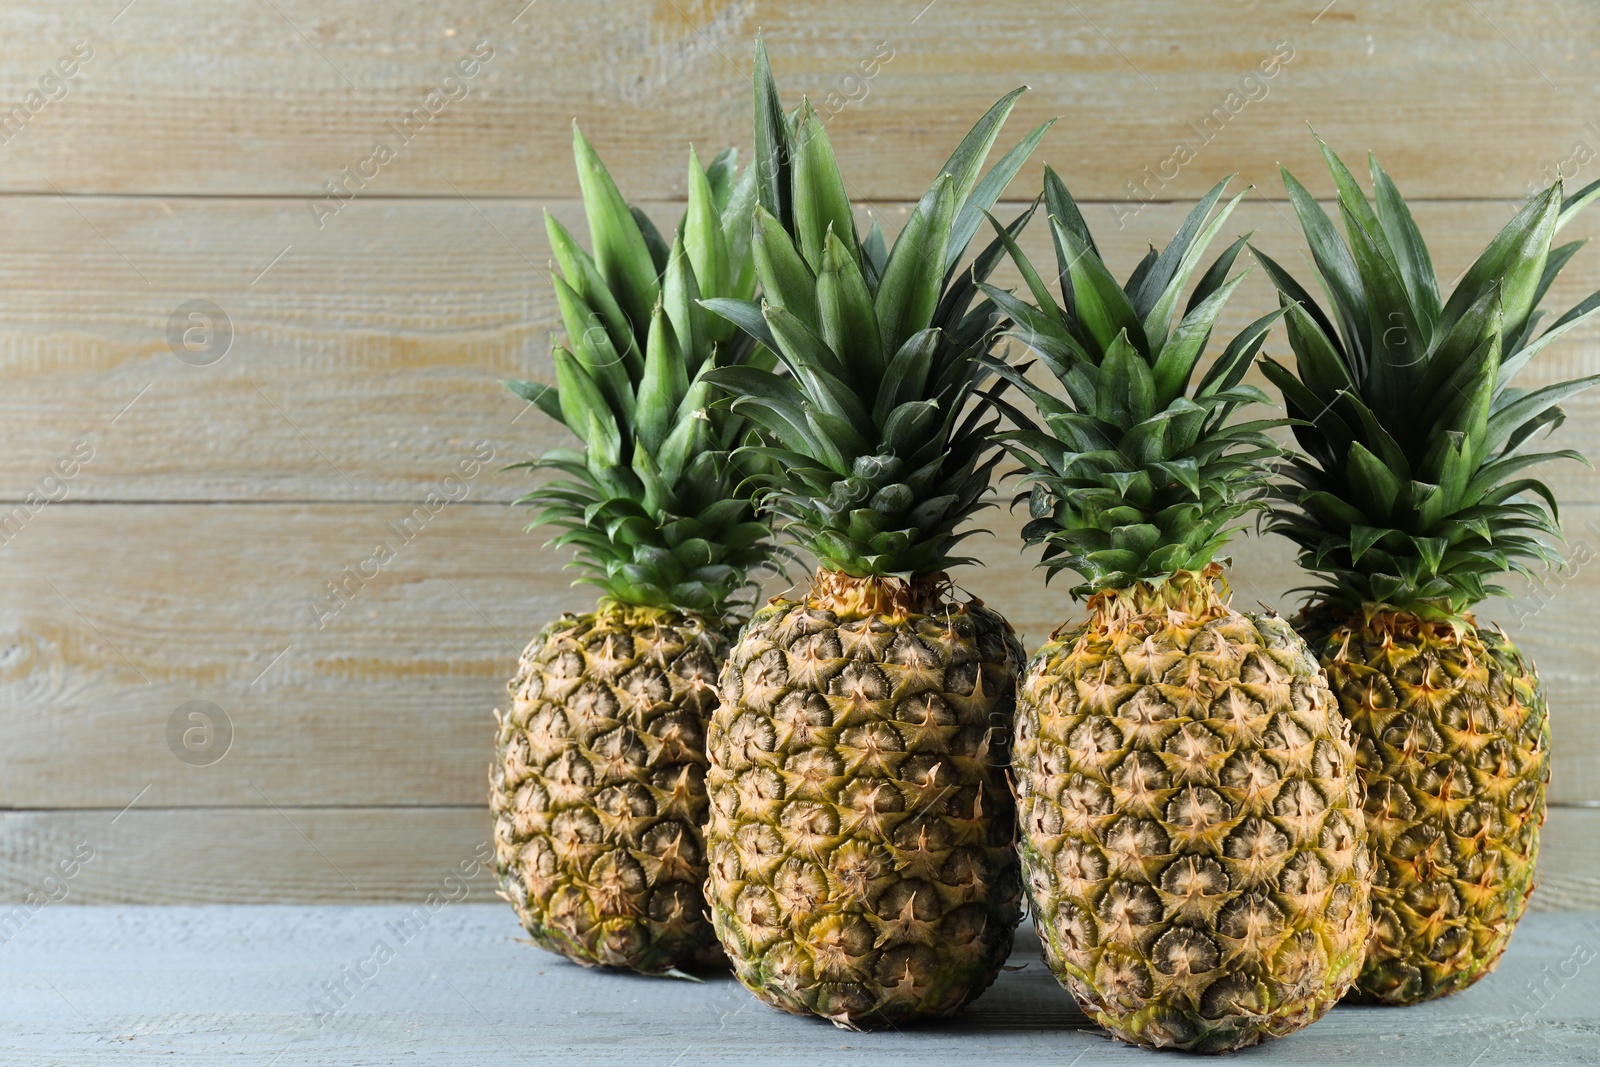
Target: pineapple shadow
point(1025, 997)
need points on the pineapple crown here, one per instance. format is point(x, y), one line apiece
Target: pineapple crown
point(653, 502)
point(878, 446)
point(1132, 475)
point(1407, 492)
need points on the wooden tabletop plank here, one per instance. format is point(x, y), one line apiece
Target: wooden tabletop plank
point(449, 983)
point(279, 98)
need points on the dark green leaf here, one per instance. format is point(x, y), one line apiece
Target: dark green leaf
point(703, 237)
point(1154, 282)
point(1215, 274)
point(1507, 417)
point(1182, 350)
point(1059, 205)
point(820, 201)
point(1126, 392)
point(1159, 317)
point(1098, 302)
point(745, 315)
point(849, 324)
point(786, 280)
point(1229, 369)
point(1515, 363)
point(545, 397)
point(663, 386)
point(1410, 251)
point(652, 239)
point(976, 203)
point(1334, 263)
point(774, 147)
point(909, 290)
point(1515, 259)
point(1572, 205)
point(620, 250)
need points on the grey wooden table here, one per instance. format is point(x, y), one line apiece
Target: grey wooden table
point(355, 986)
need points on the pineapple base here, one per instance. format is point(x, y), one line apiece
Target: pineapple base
point(862, 833)
point(598, 788)
point(1453, 745)
point(1192, 838)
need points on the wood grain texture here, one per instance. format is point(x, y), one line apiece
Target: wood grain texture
point(366, 360)
point(386, 700)
point(188, 554)
point(1569, 860)
point(254, 855)
point(204, 986)
point(1461, 100)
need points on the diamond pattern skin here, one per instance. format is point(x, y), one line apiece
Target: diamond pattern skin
point(862, 834)
point(1454, 750)
point(598, 788)
point(1415, 488)
point(1192, 837)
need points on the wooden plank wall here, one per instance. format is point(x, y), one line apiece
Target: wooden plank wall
point(171, 526)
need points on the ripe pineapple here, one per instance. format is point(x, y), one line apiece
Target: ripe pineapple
point(598, 785)
point(863, 865)
point(1406, 501)
point(1191, 824)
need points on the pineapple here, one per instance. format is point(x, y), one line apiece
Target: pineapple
point(1192, 838)
point(1407, 500)
point(598, 786)
point(861, 835)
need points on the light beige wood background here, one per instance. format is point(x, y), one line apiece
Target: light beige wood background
point(182, 561)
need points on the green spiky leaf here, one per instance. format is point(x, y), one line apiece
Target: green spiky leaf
point(634, 384)
point(1407, 492)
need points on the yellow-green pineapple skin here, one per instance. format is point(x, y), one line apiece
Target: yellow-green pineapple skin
point(1453, 746)
point(862, 832)
point(1192, 838)
point(598, 788)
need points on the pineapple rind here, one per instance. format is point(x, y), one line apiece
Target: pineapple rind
point(862, 832)
point(1192, 841)
point(598, 788)
point(1409, 499)
point(1454, 752)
